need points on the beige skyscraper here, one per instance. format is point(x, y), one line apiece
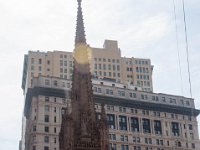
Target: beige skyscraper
point(106, 63)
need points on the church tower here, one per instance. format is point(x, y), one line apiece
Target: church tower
point(79, 129)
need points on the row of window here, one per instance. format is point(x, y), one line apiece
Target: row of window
point(65, 56)
point(124, 138)
point(105, 67)
point(55, 83)
point(66, 63)
point(143, 96)
point(142, 69)
point(143, 83)
point(144, 126)
point(46, 129)
point(145, 77)
point(109, 74)
point(108, 60)
point(144, 112)
point(39, 61)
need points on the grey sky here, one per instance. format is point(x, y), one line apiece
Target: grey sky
point(143, 28)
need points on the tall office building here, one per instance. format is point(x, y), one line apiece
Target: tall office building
point(105, 63)
point(138, 119)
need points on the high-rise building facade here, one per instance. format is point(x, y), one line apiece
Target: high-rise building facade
point(137, 120)
point(105, 63)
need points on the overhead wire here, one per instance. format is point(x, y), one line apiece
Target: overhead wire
point(187, 52)
point(177, 46)
point(187, 48)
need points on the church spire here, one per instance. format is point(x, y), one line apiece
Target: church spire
point(80, 30)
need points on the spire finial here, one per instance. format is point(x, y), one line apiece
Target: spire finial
point(80, 30)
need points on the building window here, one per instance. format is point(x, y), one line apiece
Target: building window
point(118, 74)
point(133, 95)
point(148, 141)
point(104, 66)
point(112, 146)
point(123, 123)
point(46, 108)
point(34, 128)
point(70, 63)
point(99, 90)
point(46, 82)
point(55, 130)
point(122, 109)
point(112, 137)
point(46, 118)
point(137, 148)
point(187, 103)
point(109, 67)
point(193, 145)
point(146, 125)
point(111, 121)
point(32, 67)
point(34, 138)
point(99, 66)
point(190, 127)
point(32, 60)
point(46, 148)
point(40, 61)
point(136, 139)
point(109, 91)
point(144, 97)
point(34, 148)
point(46, 129)
point(40, 68)
point(134, 111)
point(157, 127)
point(175, 128)
point(124, 147)
point(55, 83)
point(65, 63)
point(173, 101)
point(46, 99)
point(118, 68)
point(46, 139)
point(121, 93)
point(134, 124)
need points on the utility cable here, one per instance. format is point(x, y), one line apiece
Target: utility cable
point(178, 49)
point(187, 51)
point(187, 48)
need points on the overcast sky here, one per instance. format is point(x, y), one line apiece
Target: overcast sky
point(143, 28)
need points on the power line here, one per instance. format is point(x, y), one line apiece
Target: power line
point(187, 48)
point(178, 49)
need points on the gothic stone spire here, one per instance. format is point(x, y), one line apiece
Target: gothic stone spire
point(80, 31)
point(79, 129)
